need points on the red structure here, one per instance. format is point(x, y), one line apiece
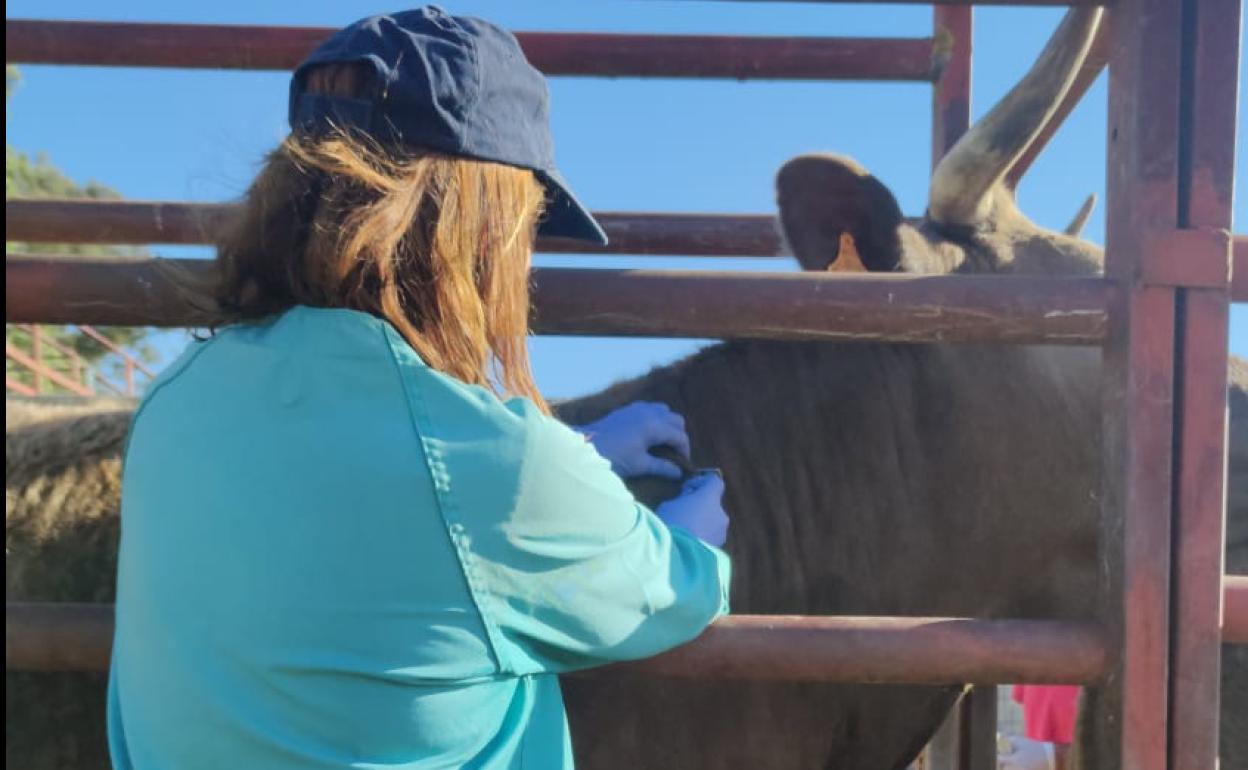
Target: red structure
point(50, 362)
point(1160, 314)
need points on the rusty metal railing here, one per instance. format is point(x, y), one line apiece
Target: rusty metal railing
point(146, 222)
point(648, 303)
point(555, 53)
point(60, 637)
point(78, 637)
point(75, 376)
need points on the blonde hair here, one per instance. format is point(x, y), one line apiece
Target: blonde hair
point(439, 246)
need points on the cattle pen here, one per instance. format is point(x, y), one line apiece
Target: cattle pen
point(1159, 314)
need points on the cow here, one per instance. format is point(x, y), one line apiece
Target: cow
point(885, 479)
point(863, 478)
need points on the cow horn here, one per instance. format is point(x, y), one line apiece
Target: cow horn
point(1075, 228)
point(964, 178)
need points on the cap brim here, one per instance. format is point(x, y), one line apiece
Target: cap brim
point(565, 217)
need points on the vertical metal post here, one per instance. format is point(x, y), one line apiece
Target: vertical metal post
point(1128, 723)
point(951, 94)
point(1210, 59)
point(977, 729)
point(36, 352)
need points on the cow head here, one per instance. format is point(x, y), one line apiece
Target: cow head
point(837, 216)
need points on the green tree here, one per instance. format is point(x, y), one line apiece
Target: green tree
point(26, 177)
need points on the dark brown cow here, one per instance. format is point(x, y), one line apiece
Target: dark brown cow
point(864, 479)
point(892, 479)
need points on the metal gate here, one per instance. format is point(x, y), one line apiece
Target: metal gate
point(1160, 314)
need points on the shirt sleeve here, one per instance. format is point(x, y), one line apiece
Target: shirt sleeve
point(580, 574)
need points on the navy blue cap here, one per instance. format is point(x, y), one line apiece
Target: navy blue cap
point(453, 84)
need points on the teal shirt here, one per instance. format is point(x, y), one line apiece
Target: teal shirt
point(334, 556)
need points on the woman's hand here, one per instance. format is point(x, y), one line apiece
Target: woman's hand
point(626, 436)
point(699, 509)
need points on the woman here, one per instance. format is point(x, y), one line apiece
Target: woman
point(352, 534)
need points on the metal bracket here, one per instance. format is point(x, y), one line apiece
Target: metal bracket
point(1187, 259)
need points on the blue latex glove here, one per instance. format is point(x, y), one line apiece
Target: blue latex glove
point(624, 437)
point(699, 509)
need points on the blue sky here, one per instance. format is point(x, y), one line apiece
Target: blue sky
point(625, 144)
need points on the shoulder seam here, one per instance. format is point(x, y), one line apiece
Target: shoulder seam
point(455, 529)
point(166, 377)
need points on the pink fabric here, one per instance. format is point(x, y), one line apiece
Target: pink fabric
point(1048, 711)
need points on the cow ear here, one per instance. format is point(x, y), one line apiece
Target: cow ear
point(830, 205)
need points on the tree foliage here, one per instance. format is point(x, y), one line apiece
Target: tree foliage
point(37, 177)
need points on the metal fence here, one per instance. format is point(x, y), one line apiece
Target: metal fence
point(1159, 313)
point(37, 364)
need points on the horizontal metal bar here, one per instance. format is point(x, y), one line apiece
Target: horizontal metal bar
point(1235, 609)
point(880, 650)
point(1239, 268)
point(1190, 259)
point(863, 307)
point(96, 221)
point(118, 44)
point(57, 637)
point(65, 220)
point(20, 388)
point(646, 303)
